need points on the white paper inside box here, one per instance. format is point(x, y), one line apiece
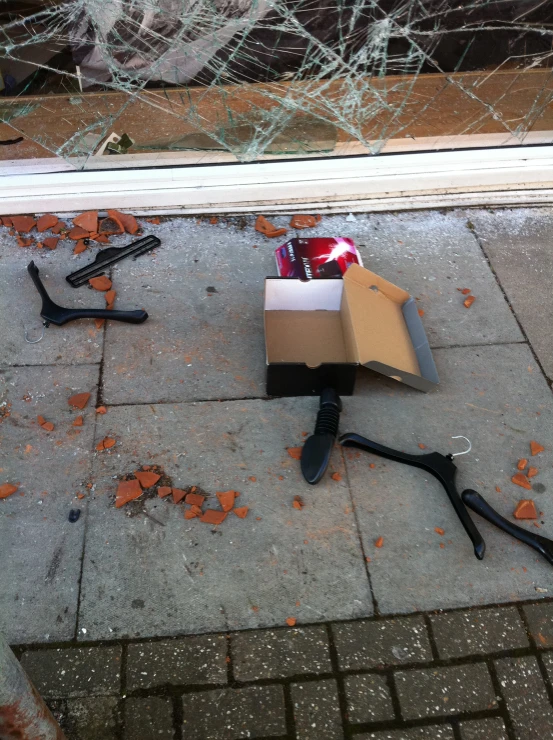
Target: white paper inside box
point(360, 320)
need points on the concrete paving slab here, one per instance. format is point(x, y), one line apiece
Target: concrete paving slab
point(142, 578)
point(41, 549)
point(78, 342)
point(432, 254)
point(498, 398)
point(203, 290)
point(518, 245)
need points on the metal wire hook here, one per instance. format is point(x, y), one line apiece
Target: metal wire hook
point(33, 341)
point(465, 452)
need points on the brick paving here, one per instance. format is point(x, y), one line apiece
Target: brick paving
point(469, 674)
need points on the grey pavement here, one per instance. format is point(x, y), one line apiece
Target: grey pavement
point(185, 391)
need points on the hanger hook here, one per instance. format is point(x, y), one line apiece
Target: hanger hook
point(465, 452)
point(33, 341)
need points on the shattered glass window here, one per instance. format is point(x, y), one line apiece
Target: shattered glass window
point(243, 80)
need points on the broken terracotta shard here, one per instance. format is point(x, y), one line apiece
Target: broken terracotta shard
point(101, 283)
point(267, 228)
point(79, 400)
point(105, 444)
point(241, 512)
point(294, 452)
point(7, 489)
point(301, 221)
point(127, 490)
point(51, 242)
point(522, 463)
point(519, 479)
point(226, 499)
point(212, 516)
point(78, 233)
point(467, 303)
point(163, 491)
point(526, 509)
point(88, 221)
point(194, 499)
point(46, 425)
point(147, 480)
point(536, 448)
point(46, 222)
point(178, 495)
point(78, 422)
point(23, 224)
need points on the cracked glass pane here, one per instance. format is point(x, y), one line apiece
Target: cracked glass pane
point(100, 83)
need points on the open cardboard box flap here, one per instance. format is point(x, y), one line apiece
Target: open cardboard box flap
point(362, 319)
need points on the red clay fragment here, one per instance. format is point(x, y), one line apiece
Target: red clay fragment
point(101, 283)
point(467, 303)
point(7, 221)
point(99, 323)
point(6, 489)
point(536, 448)
point(23, 224)
point(267, 228)
point(189, 514)
point(439, 530)
point(196, 510)
point(110, 297)
point(178, 495)
point(147, 480)
point(294, 452)
point(532, 472)
point(111, 226)
point(155, 220)
point(79, 400)
point(47, 425)
point(127, 491)
point(22, 242)
point(163, 491)
point(336, 476)
point(121, 219)
point(105, 444)
point(102, 238)
point(78, 233)
point(87, 221)
point(300, 221)
point(101, 410)
point(521, 480)
point(226, 499)
point(526, 509)
point(298, 503)
point(80, 246)
point(291, 621)
point(522, 463)
point(46, 222)
point(421, 312)
point(212, 516)
point(241, 512)
point(379, 542)
point(194, 499)
point(464, 291)
point(51, 242)
point(78, 422)
point(60, 226)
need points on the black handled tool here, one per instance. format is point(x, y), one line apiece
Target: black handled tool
point(478, 503)
point(440, 466)
point(317, 449)
point(58, 315)
point(109, 256)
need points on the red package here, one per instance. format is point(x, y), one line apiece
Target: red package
point(318, 257)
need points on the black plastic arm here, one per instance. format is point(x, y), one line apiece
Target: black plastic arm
point(440, 466)
point(58, 315)
point(478, 503)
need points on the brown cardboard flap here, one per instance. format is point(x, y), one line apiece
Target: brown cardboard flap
point(374, 325)
point(310, 337)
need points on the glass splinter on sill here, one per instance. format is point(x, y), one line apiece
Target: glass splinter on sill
point(304, 134)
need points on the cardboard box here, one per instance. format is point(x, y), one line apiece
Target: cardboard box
point(317, 332)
